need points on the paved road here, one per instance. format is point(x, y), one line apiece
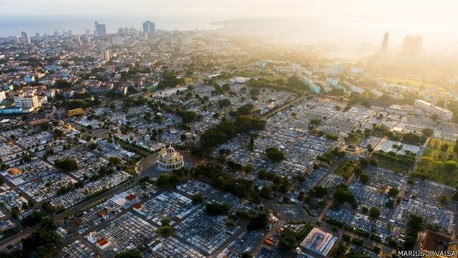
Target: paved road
point(403, 190)
point(281, 108)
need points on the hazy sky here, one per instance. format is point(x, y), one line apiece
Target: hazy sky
point(430, 11)
point(436, 20)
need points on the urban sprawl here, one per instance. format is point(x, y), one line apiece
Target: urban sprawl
point(191, 144)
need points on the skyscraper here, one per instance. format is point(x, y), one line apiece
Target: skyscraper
point(25, 38)
point(412, 45)
point(149, 28)
point(100, 29)
point(385, 43)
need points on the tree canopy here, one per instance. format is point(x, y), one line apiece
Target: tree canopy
point(274, 154)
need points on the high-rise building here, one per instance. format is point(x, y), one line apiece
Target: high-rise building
point(385, 43)
point(25, 38)
point(412, 45)
point(100, 29)
point(149, 28)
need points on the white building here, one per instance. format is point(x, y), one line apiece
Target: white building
point(27, 101)
point(106, 55)
point(429, 108)
point(169, 159)
point(238, 80)
point(2, 96)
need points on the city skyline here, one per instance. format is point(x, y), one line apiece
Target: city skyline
point(434, 21)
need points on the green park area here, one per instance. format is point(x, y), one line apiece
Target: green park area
point(346, 169)
point(439, 162)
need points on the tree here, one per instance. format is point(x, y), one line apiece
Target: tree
point(47, 207)
point(254, 92)
point(393, 192)
point(222, 103)
point(42, 242)
point(444, 147)
point(131, 253)
point(33, 219)
point(450, 165)
point(215, 208)
point(389, 203)
point(274, 154)
point(248, 168)
point(318, 191)
point(251, 144)
point(343, 195)
point(66, 164)
point(455, 195)
point(158, 118)
point(58, 133)
point(168, 180)
point(197, 198)
point(427, 132)
point(227, 130)
point(374, 213)
point(363, 162)
point(259, 221)
point(245, 110)
point(266, 192)
point(443, 199)
point(169, 80)
point(370, 148)
point(288, 240)
point(247, 255)
point(61, 84)
point(414, 225)
point(412, 138)
point(364, 178)
point(114, 160)
point(15, 212)
point(165, 230)
point(296, 83)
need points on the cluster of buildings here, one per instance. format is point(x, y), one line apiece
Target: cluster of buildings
point(411, 45)
point(149, 29)
point(104, 106)
point(431, 109)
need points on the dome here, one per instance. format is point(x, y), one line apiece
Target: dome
point(170, 150)
point(351, 147)
point(169, 159)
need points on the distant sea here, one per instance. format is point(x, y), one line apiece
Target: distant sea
point(14, 25)
point(300, 30)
